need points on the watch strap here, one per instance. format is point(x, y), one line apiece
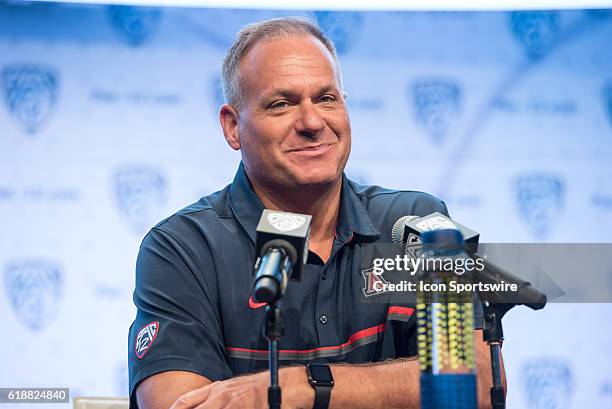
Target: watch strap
point(322, 396)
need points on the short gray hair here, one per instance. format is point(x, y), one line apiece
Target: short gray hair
point(286, 27)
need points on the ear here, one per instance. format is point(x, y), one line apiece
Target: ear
point(228, 117)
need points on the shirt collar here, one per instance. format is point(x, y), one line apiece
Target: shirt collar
point(247, 208)
point(244, 202)
point(353, 217)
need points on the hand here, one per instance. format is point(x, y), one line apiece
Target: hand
point(243, 392)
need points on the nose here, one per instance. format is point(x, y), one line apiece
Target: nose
point(310, 122)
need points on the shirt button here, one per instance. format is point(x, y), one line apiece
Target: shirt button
point(323, 319)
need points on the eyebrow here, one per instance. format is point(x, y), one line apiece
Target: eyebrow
point(287, 93)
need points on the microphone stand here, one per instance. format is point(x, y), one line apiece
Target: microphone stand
point(273, 331)
point(493, 335)
point(281, 245)
point(270, 288)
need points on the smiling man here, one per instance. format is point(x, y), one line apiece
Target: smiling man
point(196, 340)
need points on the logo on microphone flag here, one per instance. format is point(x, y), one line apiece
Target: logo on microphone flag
point(34, 288)
point(414, 246)
point(548, 383)
point(285, 222)
point(30, 92)
point(145, 338)
point(436, 223)
point(436, 103)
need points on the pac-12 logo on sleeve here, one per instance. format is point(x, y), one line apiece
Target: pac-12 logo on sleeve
point(145, 338)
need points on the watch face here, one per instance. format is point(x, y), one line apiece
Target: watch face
point(321, 374)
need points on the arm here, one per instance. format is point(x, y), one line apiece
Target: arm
point(184, 350)
point(392, 384)
point(161, 390)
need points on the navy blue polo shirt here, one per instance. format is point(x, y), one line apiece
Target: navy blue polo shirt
point(194, 282)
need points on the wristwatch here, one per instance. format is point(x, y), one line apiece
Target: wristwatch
point(321, 379)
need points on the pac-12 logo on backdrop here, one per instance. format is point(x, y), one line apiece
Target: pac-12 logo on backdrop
point(436, 103)
point(34, 288)
point(540, 198)
point(536, 31)
point(30, 92)
point(342, 27)
point(145, 338)
point(135, 25)
point(547, 383)
point(140, 193)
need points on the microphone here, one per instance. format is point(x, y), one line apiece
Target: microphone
point(281, 248)
point(408, 230)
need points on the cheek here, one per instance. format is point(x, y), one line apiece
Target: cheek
point(340, 124)
point(342, 128)
point(269, 132)
point(260, 141)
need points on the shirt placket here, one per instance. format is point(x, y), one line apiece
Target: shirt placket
point(326, 317)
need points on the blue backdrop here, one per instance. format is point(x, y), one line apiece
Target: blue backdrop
point(108, 123)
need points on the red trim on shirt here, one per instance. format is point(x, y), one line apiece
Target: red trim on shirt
point(353, 338)
point(401, 310)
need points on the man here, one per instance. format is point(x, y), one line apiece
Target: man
point(197, 328)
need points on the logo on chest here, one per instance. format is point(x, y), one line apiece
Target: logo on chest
point(373, 284)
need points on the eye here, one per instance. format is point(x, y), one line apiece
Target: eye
point(279, 104)
point(327, 98)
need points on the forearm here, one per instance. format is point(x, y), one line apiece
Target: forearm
point(391, 384)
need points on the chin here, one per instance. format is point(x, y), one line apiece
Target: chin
point(317, 178)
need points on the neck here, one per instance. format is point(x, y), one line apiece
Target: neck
point(322, 203)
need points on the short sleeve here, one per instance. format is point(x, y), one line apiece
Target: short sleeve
point(177, 324)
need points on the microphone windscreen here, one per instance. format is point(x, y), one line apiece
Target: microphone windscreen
point(399, 227)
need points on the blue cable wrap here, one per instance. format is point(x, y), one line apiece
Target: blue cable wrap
point(448, 391)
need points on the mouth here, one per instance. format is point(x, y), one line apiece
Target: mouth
point(312, 150)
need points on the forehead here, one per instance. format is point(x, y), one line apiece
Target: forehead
point(289, 61)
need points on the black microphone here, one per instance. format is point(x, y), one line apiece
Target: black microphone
point(406, 234)
point(281, 248)
point(407, 230)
